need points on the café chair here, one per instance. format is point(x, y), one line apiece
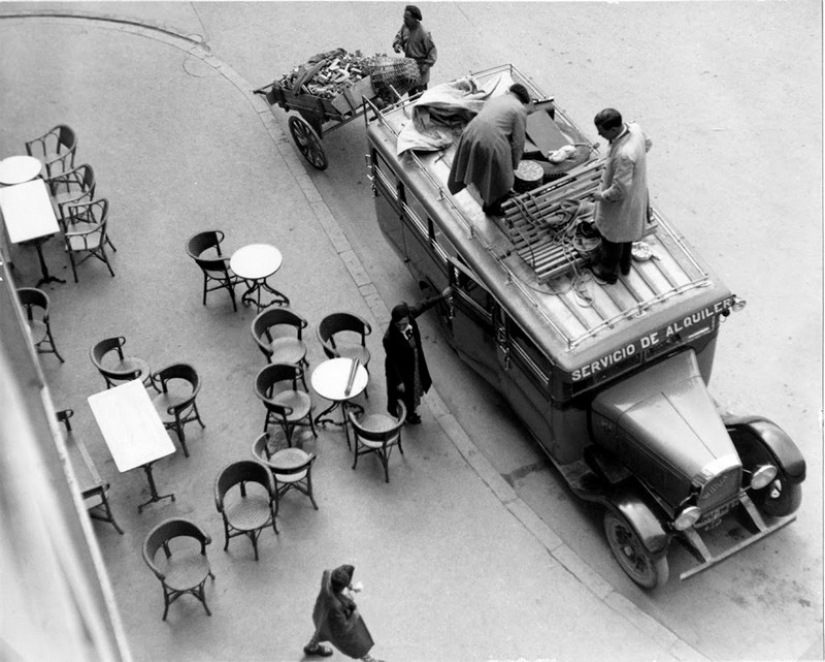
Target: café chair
point(286, 404)
point(278, 333)
point(73, 186)
point(115, 367)
point(248, 510)
point(178, 386)
point(55, 149)
point(378, 434)
point(85, 472)
point(86, 231)
point(36, 304)
point(345, 335)
point(183, 568)
point(215, 265)
point(291, 468)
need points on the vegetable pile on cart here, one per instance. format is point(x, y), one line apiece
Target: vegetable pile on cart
point(327, 90)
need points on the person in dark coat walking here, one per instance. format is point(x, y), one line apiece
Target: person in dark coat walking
point(491, 147)
point(408, 377)
point(416, 42)
point(337, 619)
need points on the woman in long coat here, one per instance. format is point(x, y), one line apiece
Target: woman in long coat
point(337, 619)
point(491, 148)
point(408, 377)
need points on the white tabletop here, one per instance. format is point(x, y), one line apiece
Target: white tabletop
point(130, 425)
point(330, 379)
point(27, 211)
point(19, 169)
point(255, 261)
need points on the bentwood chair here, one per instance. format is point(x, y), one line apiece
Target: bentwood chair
point(86, 232)
point(115, 367)
point(179, 385)
point(213, 263)
point(250, 508)
point(73, 186)
point(379, 434)
point(92, 488)
point(278, 333)
point(55, 149)
point(291, 468)
point(36, 304)
point(345, 335)
point(286, 404)
point(184, 566)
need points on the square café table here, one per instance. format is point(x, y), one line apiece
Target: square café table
point(28, 216)
point(133, 431)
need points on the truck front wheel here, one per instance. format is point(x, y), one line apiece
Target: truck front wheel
point(647, 571)
point(780, 498)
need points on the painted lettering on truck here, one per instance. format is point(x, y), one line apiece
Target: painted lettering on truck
point(652, 339)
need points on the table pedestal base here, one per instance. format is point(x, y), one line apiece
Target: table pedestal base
point(153, 490)
point(320, 420)
point(44, 269)
point(253, 295)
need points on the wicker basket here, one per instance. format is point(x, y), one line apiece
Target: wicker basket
point(399, 73)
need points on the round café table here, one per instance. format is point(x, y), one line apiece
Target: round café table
point(19, 169)
point(255, 263)
point(331, 380)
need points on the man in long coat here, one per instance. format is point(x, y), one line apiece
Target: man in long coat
point(337, 619)
point(416, 42)
point(622, 202)
point(491, 148)
point(405, 366)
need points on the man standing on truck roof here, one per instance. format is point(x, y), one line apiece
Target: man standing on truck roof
point(622, 202)
point(417, 43)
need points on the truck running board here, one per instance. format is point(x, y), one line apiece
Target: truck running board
point(700, 550)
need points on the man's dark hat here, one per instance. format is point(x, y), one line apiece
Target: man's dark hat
point(341, 577)
point(400, 311)
point(415, 11)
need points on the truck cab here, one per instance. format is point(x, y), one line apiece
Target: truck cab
point(611, 380)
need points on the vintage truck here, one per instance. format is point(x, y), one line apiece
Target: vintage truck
point(611, 380)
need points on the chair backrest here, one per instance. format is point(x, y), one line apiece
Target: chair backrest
point(81, 178)
point(243, 471)
point(342, 322)
point(66, 138)
point(94, 212)
point(31, 297)
point(160, 536)
point(98, 351)
point(381, 435)
point(260, 447)
point(264, 322)
point(198, 243)
point(182, 371)
point(274, 375)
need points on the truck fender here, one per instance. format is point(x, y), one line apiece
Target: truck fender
point(627, 503)
point(781, 447)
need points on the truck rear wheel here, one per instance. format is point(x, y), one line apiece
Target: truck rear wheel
point(631, 554)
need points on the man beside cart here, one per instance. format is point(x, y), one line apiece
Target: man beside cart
point(622, 200)
point(416, 42)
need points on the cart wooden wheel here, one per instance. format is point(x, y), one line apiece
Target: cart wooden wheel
point(308, 142)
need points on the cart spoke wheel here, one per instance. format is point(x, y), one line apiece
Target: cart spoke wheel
point(308, 142)
point(631, 554)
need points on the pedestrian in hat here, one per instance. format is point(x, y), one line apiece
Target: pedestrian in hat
point(408, 377)
point(622, 200)
point(416, 42)
point(337, 619)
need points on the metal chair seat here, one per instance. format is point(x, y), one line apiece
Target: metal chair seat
point(354, 352)
point(38, 331)
point(379, 423)
point(128, 365)
point(290, 457)
point(249, 513)
point(298, 401)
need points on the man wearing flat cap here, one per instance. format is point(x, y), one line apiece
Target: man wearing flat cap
point(337, 619)
point(416, 43)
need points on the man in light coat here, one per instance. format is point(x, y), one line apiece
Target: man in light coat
point(622, 202)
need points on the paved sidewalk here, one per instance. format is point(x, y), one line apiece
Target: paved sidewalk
point(455, 568)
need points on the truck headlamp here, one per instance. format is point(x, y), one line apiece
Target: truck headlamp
point(763, 476)
point(687, 518)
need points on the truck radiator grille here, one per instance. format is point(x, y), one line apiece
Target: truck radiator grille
point(719, 489)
